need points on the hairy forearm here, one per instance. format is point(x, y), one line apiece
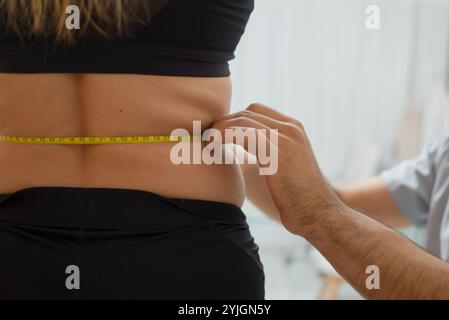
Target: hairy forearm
point(352, 242)
point(372, 198)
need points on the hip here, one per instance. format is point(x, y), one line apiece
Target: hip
point(124, 244)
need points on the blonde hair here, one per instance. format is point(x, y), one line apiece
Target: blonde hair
point(46, 18)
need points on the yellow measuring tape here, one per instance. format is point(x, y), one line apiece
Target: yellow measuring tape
point(96, 140)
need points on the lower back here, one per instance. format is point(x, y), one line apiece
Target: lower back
point(111, 105)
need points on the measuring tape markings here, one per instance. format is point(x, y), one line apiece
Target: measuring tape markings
point(96, 140)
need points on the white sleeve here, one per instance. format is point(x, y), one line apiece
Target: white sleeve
point(411, 183)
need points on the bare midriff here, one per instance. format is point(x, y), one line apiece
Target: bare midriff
point(95, 105)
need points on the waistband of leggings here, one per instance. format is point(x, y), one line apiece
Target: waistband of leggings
point(102, 208)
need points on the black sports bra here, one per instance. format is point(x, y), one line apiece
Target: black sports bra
point(187, 38)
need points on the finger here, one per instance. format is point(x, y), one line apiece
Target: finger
point(254, 141)
point(248, 118)
point(239, 120)
point(263, 119)
point(270, 112)
point(239, 127)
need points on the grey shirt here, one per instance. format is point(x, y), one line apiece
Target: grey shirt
point(420, 188)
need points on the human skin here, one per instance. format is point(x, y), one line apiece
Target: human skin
point(350, 240)
point(67, 105)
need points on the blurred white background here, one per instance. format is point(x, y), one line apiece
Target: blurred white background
point(368, 99)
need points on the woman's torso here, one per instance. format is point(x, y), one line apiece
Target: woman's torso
point(112, 105)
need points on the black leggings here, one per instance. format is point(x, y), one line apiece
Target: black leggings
point(77, 243)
